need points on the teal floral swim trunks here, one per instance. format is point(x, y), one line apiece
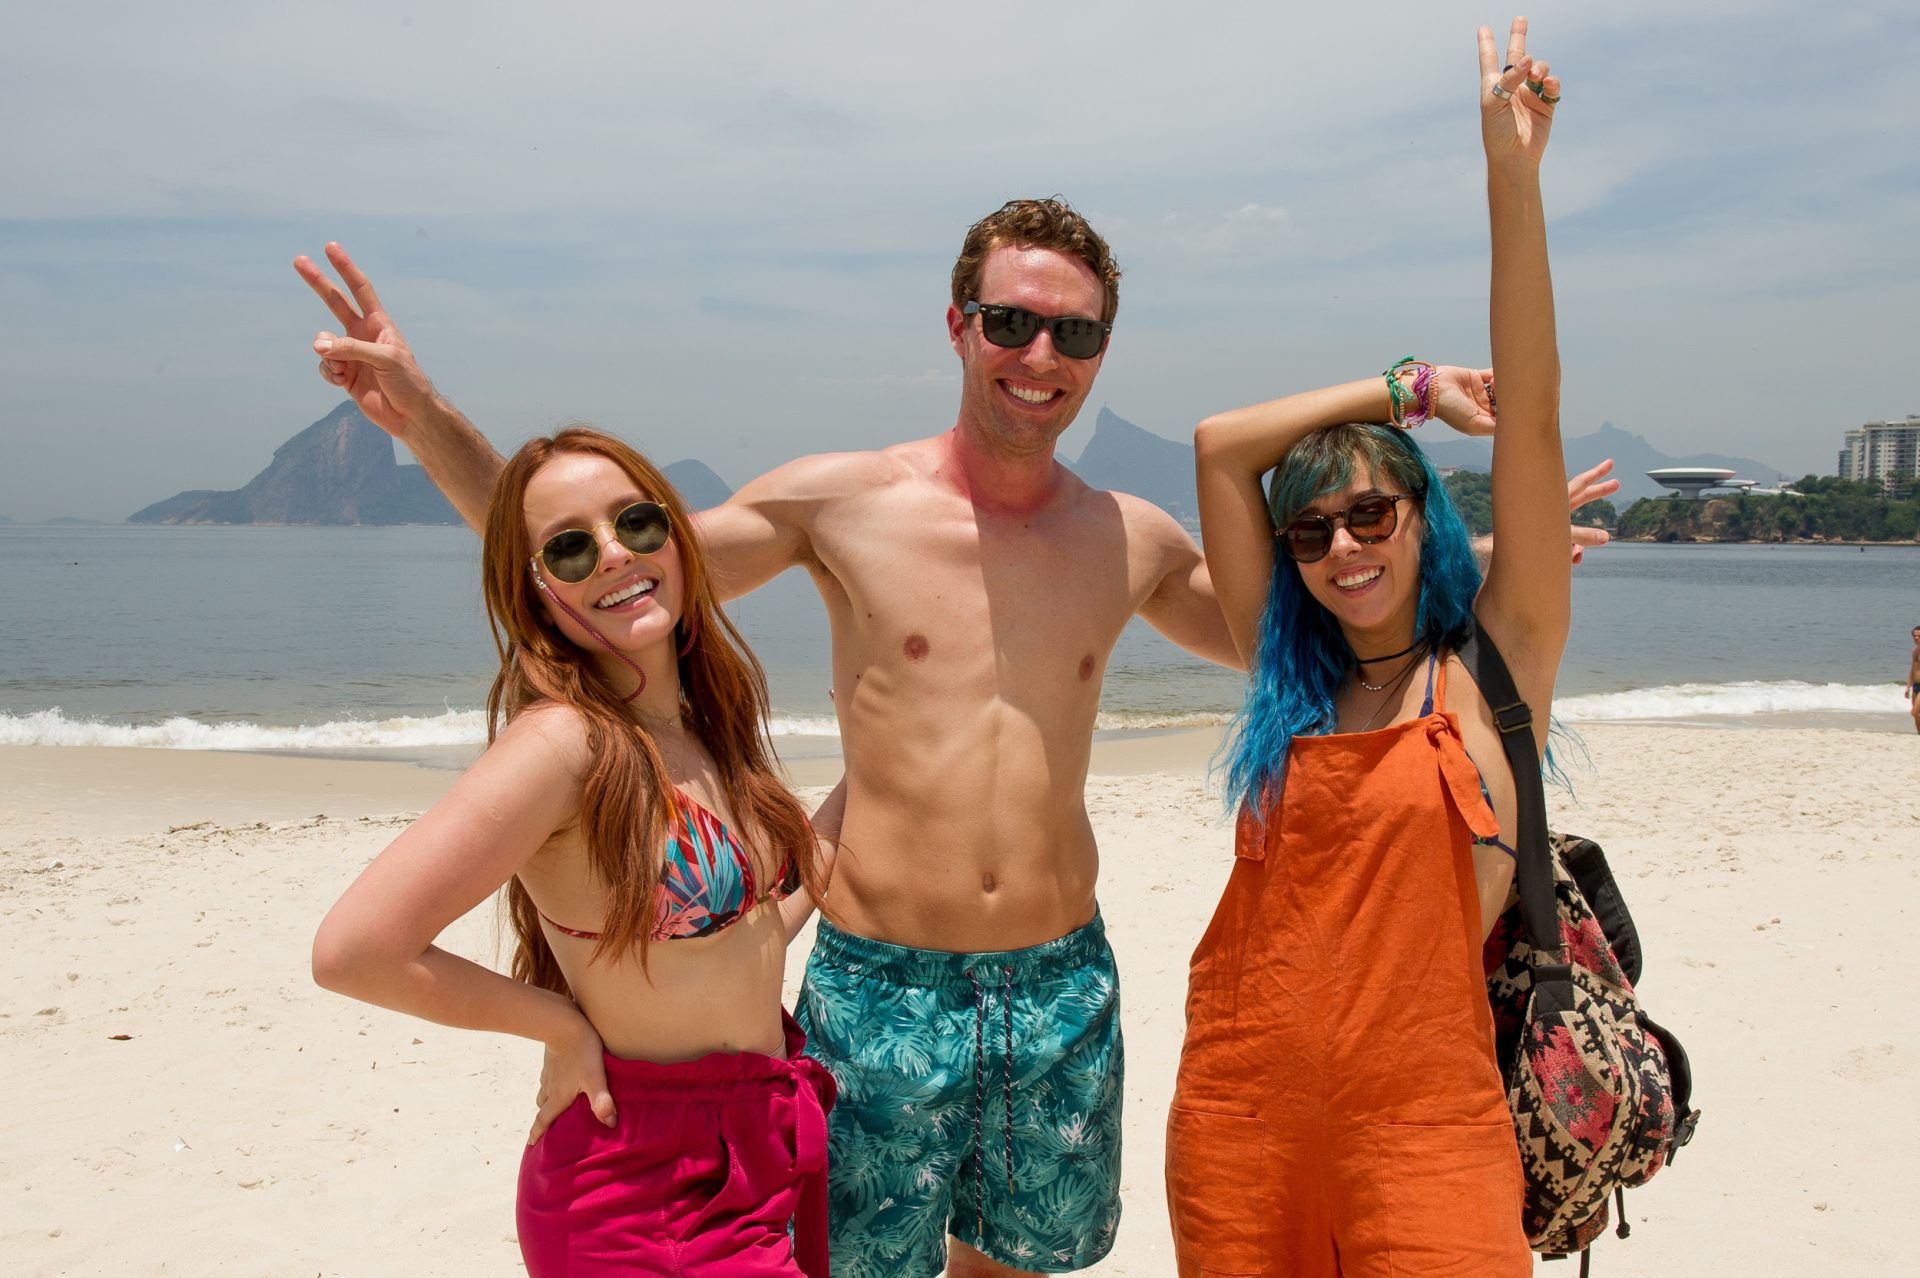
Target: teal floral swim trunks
point(979, 1097)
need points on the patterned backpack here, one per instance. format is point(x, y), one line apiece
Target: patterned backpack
point(1601, 1095)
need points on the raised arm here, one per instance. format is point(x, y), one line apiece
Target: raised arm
point(371, 362)
point(1233, 450)
point(1526, 601)
point(748, 539)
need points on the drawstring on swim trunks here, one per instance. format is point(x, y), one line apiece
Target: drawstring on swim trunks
point(980, 1087)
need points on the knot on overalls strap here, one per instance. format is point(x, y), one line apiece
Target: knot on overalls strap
point(1462, 780)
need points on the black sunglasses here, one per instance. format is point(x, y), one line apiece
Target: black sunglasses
point(1370, 520)
point(572, 554)
point(1074, 336)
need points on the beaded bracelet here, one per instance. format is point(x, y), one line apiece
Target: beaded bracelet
point(1398, 396)
point(1422, 397)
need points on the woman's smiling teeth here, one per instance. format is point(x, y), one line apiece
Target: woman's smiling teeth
point(632, 590)
point(1354, 578)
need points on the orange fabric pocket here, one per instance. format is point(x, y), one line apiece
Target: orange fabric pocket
point(1219, 1194)
point(1442, 1201)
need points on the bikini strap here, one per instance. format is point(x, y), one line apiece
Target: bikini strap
point(561, 927)
point(1427, 706)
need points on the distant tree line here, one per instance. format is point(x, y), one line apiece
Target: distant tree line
point(1472, 493)
point(1830, 509)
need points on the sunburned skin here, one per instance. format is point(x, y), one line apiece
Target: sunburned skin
point(965, 827)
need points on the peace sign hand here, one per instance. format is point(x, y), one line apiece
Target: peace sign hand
point(1517, 98)
point(371, 361)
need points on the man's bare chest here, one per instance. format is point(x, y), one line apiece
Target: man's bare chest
point(951, 595)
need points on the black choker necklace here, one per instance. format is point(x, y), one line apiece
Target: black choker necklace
point(1391, 656)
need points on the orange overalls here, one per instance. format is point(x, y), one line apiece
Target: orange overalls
point(1338, 1108)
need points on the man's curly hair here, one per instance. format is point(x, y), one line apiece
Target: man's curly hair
point(1047, 224)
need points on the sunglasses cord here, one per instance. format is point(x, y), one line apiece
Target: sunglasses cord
point(546, 590)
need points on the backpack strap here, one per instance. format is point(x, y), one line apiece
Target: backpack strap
point(1533, 863)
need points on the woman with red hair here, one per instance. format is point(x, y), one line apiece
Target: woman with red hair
point(655, 869)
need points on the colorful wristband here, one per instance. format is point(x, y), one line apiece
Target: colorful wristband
point(1419, 396)
point(1422, 397)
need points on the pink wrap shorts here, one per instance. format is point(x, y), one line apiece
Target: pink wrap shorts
point(708, 1166)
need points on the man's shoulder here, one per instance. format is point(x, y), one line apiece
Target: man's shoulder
point(1141, 518)
point(831, 476)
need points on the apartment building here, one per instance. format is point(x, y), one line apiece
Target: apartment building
point(1886, 451)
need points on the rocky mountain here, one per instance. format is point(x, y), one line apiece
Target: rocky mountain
point(698, 486)
point(1125, 457)
point(341, 470)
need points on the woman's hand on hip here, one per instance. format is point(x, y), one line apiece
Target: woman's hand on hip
point(574, 1066)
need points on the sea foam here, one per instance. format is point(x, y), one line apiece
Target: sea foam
point(468, 727)
point(453, 728)
point(51, 727)
point(1723, 700)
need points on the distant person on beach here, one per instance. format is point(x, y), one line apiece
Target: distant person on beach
point(1339, 1109)
point(964, 994)
point(1913, 680)
point(656, 868)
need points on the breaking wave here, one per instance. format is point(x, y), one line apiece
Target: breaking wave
point(1732, 700)
point(468, 727)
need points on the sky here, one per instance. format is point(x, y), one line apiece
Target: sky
point(725, 231)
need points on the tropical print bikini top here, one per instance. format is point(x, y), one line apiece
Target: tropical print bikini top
point(706, 879)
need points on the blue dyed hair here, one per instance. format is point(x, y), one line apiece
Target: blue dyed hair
point(1302, 655)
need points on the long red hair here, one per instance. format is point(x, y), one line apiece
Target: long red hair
point(627, 811)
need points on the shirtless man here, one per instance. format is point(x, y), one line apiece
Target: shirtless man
point(966, 1001)
point(1913, 681)
point(964, 998)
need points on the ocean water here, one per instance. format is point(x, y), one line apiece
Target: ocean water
point(347, 639)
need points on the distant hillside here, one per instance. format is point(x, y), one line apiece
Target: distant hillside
point(1633, 457)
point(699, 487)
point(341, 470)
point(1123, 457)
point(1829, 510)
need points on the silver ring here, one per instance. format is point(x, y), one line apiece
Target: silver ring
point(1502, 92)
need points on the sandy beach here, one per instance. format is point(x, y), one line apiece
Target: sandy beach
point(185, 1101)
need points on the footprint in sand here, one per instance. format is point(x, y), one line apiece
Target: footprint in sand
point(1873, 1062)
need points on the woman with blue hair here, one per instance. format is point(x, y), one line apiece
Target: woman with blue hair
point(1339, 1109)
